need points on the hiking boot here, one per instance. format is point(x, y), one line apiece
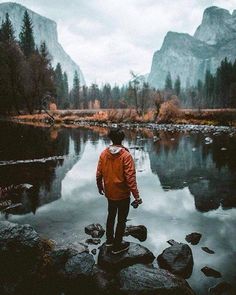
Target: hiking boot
point(121, 248)
point(109, 243)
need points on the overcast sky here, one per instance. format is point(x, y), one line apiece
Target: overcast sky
point(108, 38)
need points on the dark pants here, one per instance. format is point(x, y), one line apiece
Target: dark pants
point(122, 207)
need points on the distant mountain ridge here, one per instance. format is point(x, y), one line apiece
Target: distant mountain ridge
point(190, 56)
point(44, 30)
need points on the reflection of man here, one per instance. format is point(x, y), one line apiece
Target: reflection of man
point(117, 179)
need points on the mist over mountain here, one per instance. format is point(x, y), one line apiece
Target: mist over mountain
point(190, 56)
point(44, 30)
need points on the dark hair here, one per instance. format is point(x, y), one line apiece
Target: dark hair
point(116, 135)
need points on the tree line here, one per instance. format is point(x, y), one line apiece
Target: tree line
point(215, 91)
point(25, 70)
point(27, 76)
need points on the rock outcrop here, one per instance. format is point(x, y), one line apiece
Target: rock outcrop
point(190, 56)
point(44, 30)
point(31, 265)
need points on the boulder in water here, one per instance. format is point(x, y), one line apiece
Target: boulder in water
point(178, 259)
point(193, 238)
point(137, 231)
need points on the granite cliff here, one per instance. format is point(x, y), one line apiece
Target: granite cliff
point(44, 30)
point(190, 56)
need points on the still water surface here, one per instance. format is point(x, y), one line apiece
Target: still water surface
point(186, 185)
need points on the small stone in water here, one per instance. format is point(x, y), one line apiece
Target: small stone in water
point(210, 272)
point(193, 238)
point(94, 251)
point(194, 149)
point(207, 250)
point(223, 149)
point(208, 140)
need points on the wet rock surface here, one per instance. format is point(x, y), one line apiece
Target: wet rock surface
point(193, 238)
point(178, 259)
point(137, 231)
point(210, 272)
point(95, 230)
point(79, 266)
point(222, 288)
point(146, 279)
point(20, 255)
point(135, 254)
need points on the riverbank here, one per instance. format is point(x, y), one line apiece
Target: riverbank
point(208, 117)
point(93, 119)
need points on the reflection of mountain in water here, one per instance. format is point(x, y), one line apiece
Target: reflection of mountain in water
point(46, 177)
point(210, 173)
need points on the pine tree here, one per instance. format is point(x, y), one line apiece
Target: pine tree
point(76, 91)
point(65, 86)
point(116, 95)
point(177, 86)
point(144, 97)
point(94, 93)
point(43, 51)
point(106, 96)
point(26, 36)
point(7, 31)
point(59, 84)
point(168, 82)
point(85, 96)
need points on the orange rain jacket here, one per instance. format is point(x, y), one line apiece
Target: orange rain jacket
point(116, 174)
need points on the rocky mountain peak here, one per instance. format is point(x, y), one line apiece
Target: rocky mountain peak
point(189, 56)
point(217, 25)
point(177, 40)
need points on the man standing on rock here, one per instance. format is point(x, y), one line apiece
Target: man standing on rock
point(116, 178)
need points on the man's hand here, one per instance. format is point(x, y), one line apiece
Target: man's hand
point(139, 201)
point(101, 191)
point(136, 202)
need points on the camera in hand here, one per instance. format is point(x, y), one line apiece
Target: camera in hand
point(136, 203)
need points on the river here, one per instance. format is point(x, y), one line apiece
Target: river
point(187, 183)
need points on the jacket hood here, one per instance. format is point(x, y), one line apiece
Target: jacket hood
point(115, 150)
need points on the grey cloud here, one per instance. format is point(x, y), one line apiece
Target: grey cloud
point(107, 38)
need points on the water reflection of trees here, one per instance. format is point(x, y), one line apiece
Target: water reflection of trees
point(187, 161)
point(27, 142)
point(179, 159)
